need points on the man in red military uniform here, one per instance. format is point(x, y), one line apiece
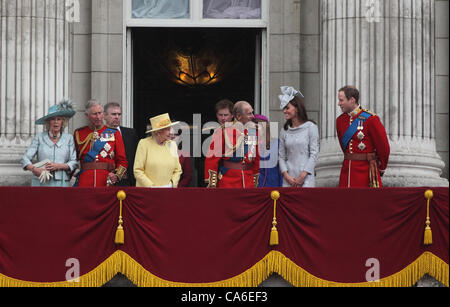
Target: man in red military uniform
point(233, 158)
point(100, 150)
point(363, 140)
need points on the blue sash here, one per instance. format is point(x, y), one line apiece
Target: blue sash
point(98, 146)
point(353, 129)
point(91, 155)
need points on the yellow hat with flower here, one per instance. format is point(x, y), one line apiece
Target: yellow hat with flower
point(161, 122)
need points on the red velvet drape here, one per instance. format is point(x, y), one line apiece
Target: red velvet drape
point(202, 236)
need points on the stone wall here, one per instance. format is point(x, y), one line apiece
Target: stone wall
point(442, 82)
point(97, 54)
point(284, 51)
point(310, 57)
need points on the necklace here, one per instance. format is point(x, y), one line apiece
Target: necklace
point(54, 136)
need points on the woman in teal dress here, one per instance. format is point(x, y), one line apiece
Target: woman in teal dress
point(53, 150)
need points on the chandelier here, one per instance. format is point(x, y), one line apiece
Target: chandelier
point(196, 59)
point(195, 69)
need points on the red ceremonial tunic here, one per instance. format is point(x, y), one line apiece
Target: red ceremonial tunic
point(110, 159)
point(372, 139)
point(227, 146)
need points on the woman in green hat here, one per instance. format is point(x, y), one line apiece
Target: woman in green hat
point(53, 149)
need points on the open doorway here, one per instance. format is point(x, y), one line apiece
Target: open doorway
point(158, 88)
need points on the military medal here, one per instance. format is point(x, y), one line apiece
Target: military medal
point(252, 141)
point(245, 138)
point(107, 137)
point(107, 147)
point(361, 135)
point(362, 146)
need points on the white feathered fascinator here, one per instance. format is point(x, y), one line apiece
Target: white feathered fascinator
point(288, 94)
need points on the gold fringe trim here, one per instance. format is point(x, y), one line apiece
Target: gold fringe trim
point(274, 262)
point(96, 278)
point(427, 263)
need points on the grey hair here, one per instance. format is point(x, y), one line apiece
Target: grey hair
point(111, 105)
point(90, 104)
point(239, 107)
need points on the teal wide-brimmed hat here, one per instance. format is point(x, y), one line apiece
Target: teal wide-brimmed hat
point(63, 109)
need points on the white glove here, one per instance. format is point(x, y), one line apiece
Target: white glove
point(42, 163)
point(45, 176)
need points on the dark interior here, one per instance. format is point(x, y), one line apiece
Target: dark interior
point(156, 93)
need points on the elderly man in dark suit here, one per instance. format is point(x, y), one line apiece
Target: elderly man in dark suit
point(113, 116)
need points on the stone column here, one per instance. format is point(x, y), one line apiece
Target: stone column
point(386, 49)
point(284, 52)
point(34, 53)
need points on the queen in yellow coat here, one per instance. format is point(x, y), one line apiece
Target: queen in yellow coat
point(156, 163)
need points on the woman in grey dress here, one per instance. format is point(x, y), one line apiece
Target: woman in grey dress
point(299, 141)
point(53, 149)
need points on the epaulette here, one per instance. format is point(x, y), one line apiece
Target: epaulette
point(370, 112)
point(79, 129)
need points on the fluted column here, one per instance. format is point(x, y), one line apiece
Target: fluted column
point(386, 49)
point(34, 53)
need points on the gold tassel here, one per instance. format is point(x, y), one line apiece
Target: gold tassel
point(120, 234)
point(275, 195)
point(428, 236)
point(274, 235)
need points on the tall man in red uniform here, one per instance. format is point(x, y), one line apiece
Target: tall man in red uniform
point(363, 140)
point(100, 150)
point(233, 158)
